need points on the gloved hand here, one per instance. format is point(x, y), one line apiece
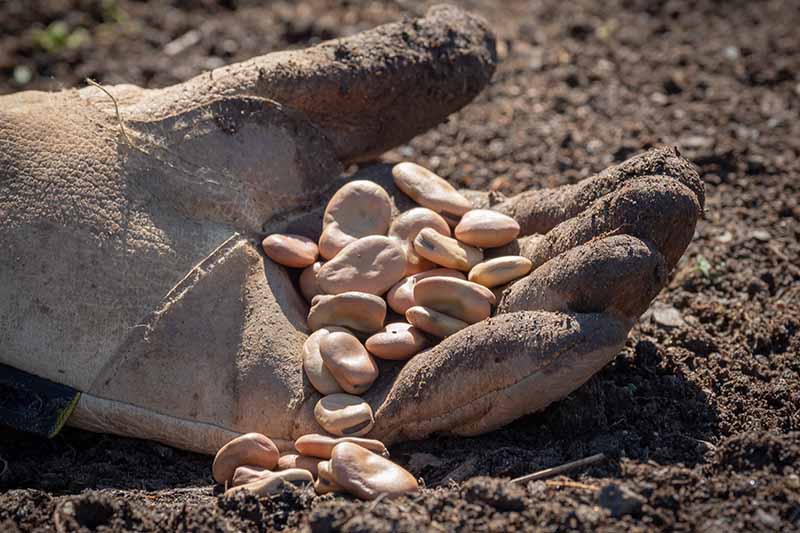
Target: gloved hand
point(131, 226)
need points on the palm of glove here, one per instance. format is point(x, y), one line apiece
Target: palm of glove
point(135, 273)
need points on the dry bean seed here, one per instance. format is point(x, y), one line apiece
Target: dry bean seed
point(429, 190)
point(372, 265)
point(486, 228)
point(350, 363)
point(366, 475)
point(446, 251)
point(500, 270)
point(344, 415)
point(290, 250)
point(252, 449)
point(433, 322)
point(397, 341)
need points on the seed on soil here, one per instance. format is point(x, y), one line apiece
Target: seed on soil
point(433, 322)
point(371, 264)
point(405, 229)
point(273, 482)
point(397, 341)
point(446, 251)
point(429, 190)
point(308, 281)
point(250, 449)
point(319, 376)
point(304, 462)
point(358, 209)
point(322, 445)
point(247, 474)
point(366, 475)
point(401, 296)
point(354, 310)
point(290, 250)
point(485, 228)
point(348, 361)
point(464, 300)
point(325, 482)
point(344, 415)
point(500, 270)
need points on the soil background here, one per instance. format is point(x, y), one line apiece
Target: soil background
point(699, 415)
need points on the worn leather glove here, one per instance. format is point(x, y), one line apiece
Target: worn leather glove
point(131, 220)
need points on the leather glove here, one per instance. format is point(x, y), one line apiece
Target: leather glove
point(131, 224)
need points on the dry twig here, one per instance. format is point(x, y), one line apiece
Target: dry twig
point(566, 467)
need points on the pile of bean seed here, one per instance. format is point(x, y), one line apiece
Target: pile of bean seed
point(252, 462)
point(438, 283)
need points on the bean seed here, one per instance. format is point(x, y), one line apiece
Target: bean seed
point(457, 298)
point(249, 449)
point(401, 296)
point(304, 462)
point(358, 209)
point(319, 376)
point(344, 415)
point(429, 190)
point(397, 341)
point(371, 264)
point(366, 475)
point(290, 250)
point(500, 270)
point(446, 251)
point(354, 310)
point(486, 228)
point(349, 362)
point(405, 228)
point(322, 445)
point(308, 281)
point(273, 483)
point(433, 322)
point(247, 474)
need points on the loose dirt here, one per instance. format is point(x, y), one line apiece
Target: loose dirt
point(699, 415)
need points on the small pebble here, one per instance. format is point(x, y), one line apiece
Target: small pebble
point(485, 228)
point(325, 482)
point(344, 415)
point(446, 251)
point(293, 251)
point(397, 341)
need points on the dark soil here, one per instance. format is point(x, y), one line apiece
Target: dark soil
point(700, 413)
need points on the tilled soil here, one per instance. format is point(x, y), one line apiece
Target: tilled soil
point(699, 415)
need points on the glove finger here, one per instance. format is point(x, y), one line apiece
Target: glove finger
point(659, 210)
point(492, 372)
point(539, 211)
point(368, 92)
point(619, 274)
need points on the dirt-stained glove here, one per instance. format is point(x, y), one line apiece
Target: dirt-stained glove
point(131, 226)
